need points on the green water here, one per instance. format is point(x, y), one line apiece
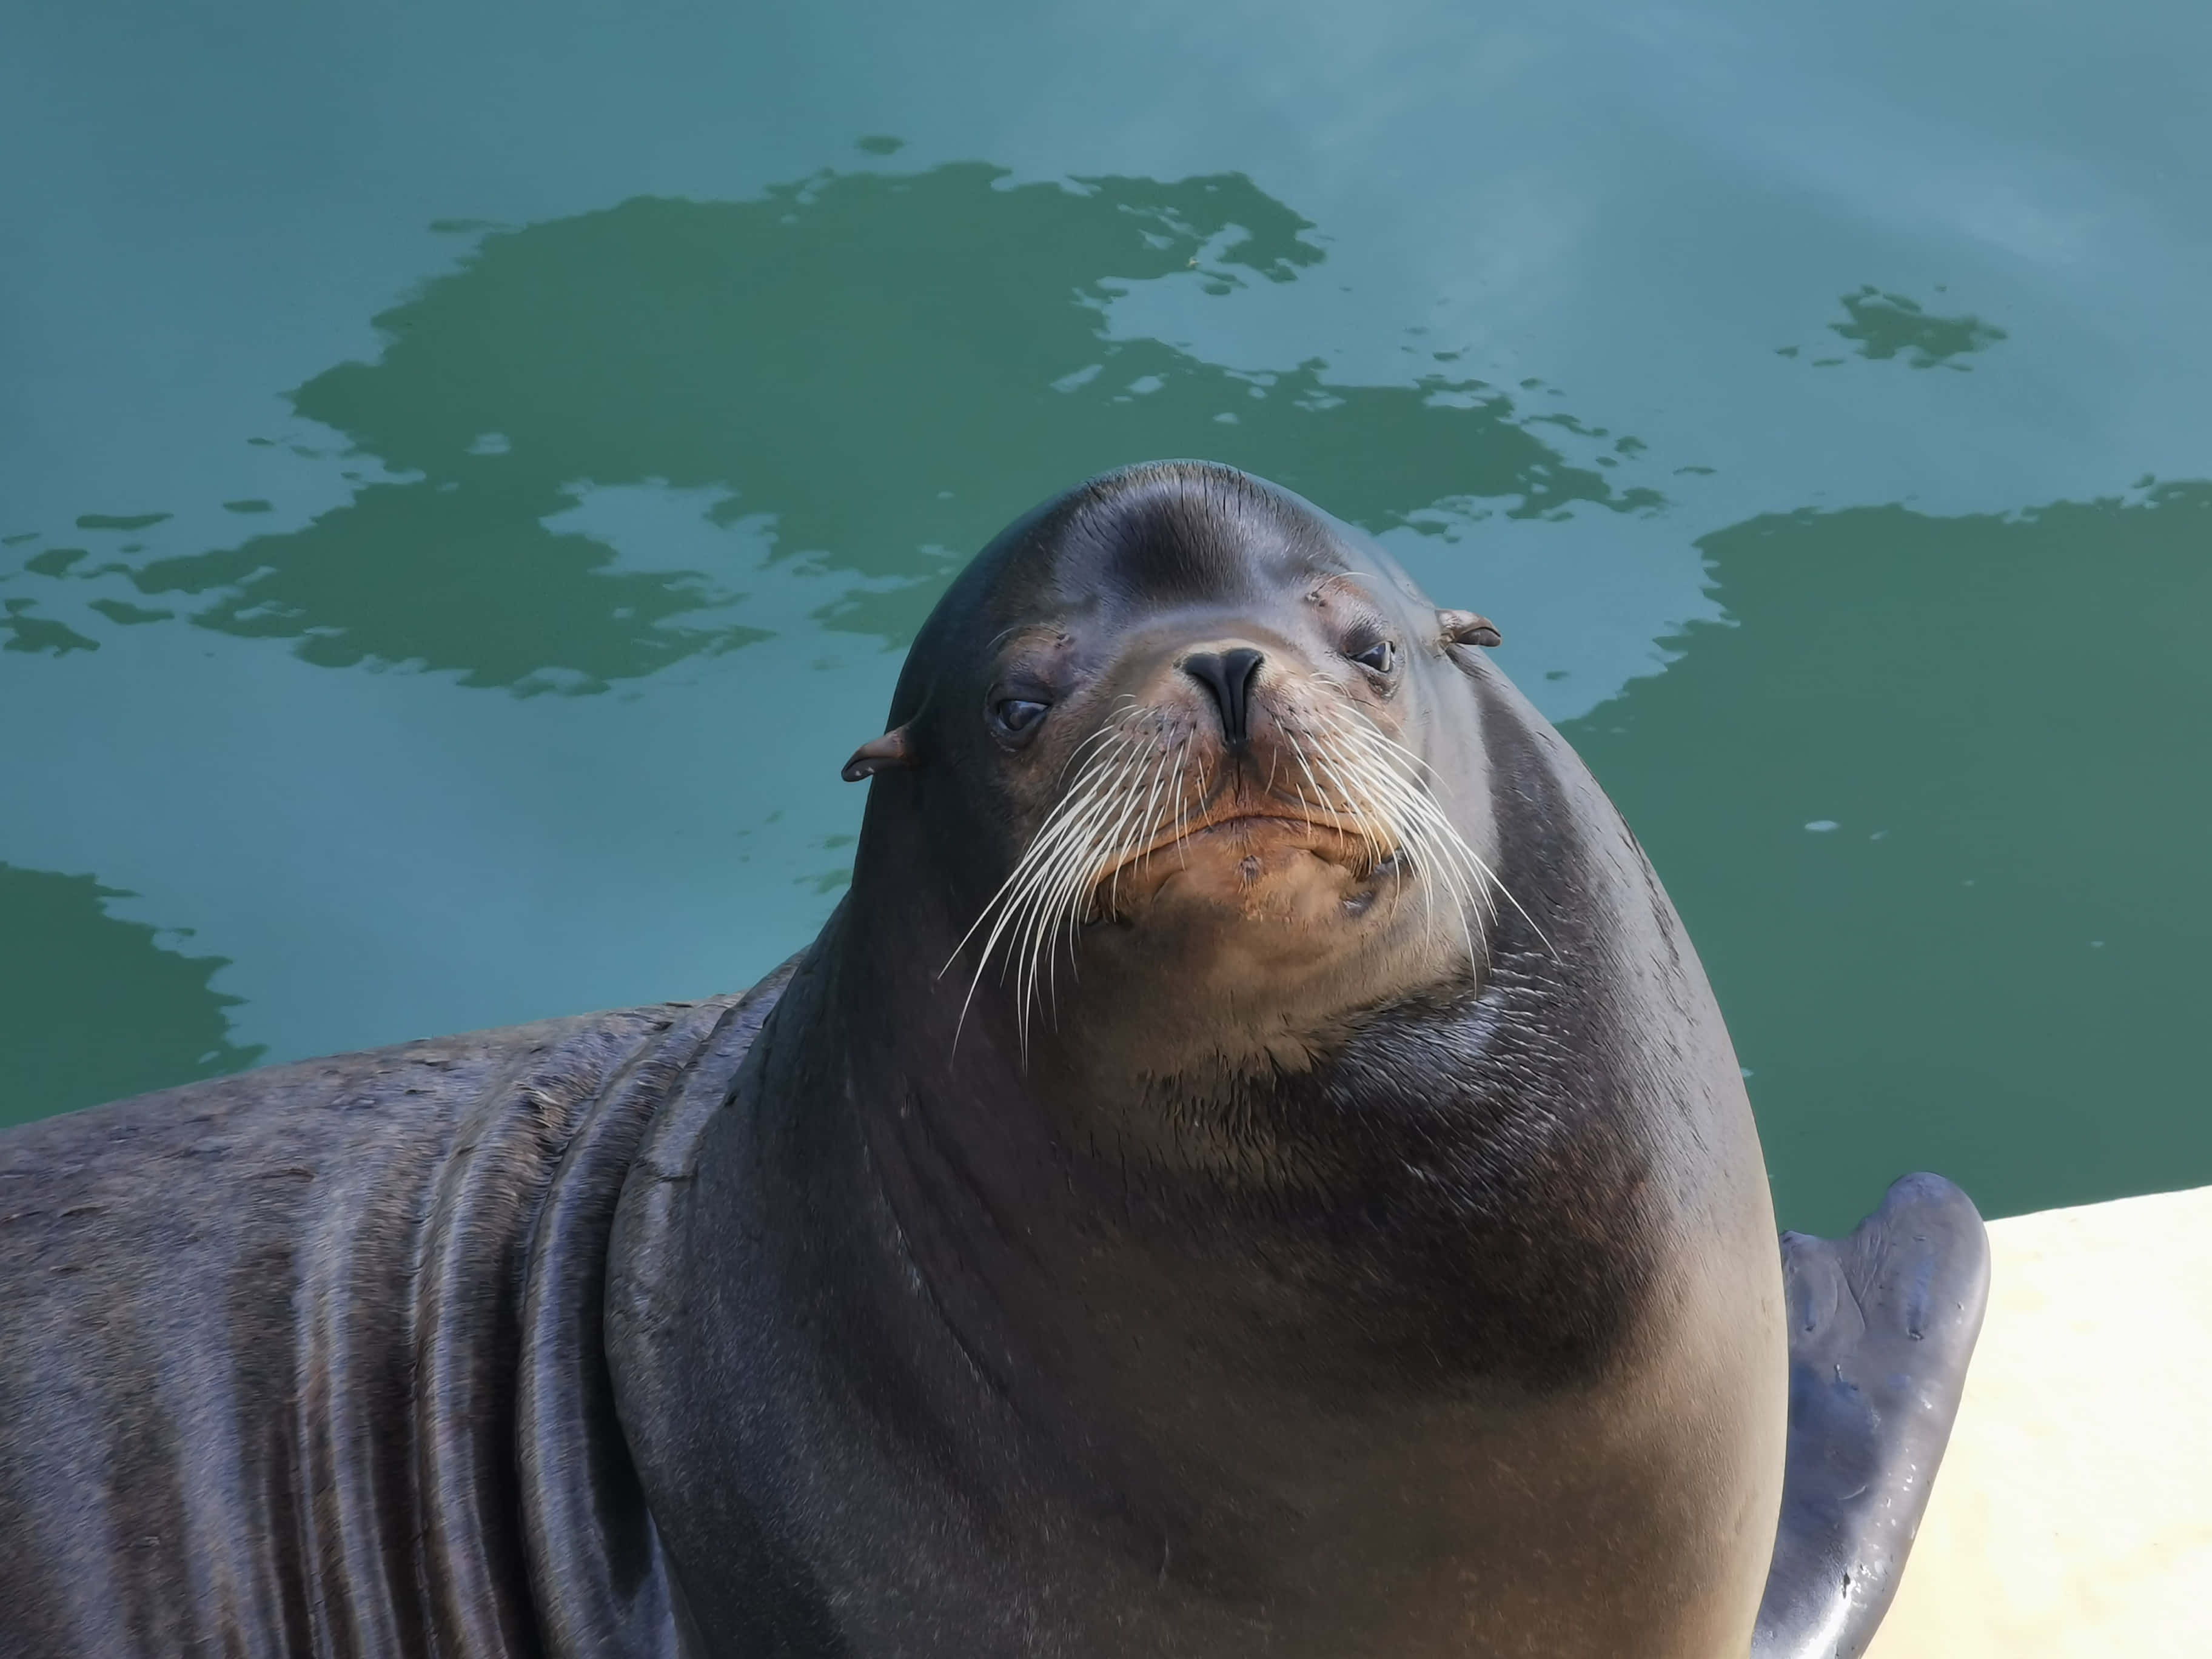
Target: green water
point(468, 474)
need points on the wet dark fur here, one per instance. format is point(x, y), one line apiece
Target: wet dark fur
point(1455, 1237)
point(634, 1333)
point(273, 1344)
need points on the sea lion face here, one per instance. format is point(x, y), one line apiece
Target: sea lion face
point(1230, 778)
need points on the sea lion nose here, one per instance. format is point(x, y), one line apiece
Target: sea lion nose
point(1228, 675)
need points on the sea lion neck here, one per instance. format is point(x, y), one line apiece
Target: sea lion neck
point(1253, 1204)
point(1297, 1300)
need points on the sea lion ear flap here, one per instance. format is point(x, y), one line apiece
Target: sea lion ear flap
point(891, 752)
point(1465, 627)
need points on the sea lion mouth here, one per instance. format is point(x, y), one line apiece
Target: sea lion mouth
point(1235, 856)
point(1332, 840)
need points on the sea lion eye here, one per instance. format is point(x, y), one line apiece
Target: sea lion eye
point(1015, 715)
point(1382, 657)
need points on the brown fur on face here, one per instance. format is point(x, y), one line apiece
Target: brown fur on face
point(1258, 882)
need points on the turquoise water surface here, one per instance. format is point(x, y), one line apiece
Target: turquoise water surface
point(468, 474)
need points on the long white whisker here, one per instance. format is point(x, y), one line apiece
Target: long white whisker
point(1060, 892)
point(1299, 752)
point(1063, 831)
point(1446, 856)
point(1369, 735)
point(1431, 838)
point(1182, 803)
point(1336, 795)
point(1065, 827)
point(1038, 926)
point(1065, 902)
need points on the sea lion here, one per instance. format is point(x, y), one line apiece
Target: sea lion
point(1252, 1166)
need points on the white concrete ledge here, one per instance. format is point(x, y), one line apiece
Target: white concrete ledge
point(2072, 1516)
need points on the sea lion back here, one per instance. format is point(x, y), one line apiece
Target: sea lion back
point(258, 1339)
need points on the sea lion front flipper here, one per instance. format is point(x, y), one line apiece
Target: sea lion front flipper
point(1881, 1325)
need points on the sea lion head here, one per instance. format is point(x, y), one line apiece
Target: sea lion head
point(1185, 770)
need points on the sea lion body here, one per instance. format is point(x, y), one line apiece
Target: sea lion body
point(1253, 1166)
point(1467, 1338)
point(292, 1367)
